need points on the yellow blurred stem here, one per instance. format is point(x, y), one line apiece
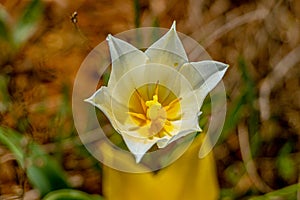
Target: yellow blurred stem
point(187, 178)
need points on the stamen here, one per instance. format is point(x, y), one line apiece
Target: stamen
point(142, 101)
point(172, 104)
point(138, 115)
point(156, 88)
point(177, 117)
point(154, 114)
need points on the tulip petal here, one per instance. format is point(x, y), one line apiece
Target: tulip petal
point(187, 126)
point(190, 114)
point(168, 50)
point(188, 122)
point(151, 74)
point(203, 76)
point(138, 147)
point(102, 100)
point(124, 57)
point(163, 142)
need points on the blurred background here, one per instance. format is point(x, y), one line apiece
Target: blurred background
point(42, 45)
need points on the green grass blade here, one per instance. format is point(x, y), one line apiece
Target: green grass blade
point(12, 141)
point(289, 192)
point(68, 194)
point(28, 22)
point(4, 28)
point(137, 13)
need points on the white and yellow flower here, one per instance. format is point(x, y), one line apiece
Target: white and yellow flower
point(154, 97)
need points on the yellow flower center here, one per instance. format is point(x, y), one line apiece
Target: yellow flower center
point(152, 108)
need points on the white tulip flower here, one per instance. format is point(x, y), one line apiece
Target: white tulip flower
point(154, 97)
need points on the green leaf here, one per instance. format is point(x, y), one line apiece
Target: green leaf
point(289, 192)
point(28, 22)
point(43, 172)
point(13, 142)
point(227, 193)
point(4, 94)
point(70, 194)
point(106, 77)
point(4, 29)
point(251, 96)
point(286, 165)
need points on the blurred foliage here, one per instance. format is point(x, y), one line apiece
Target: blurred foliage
point(27, 24)
point(19, 32)
point(243, 106)
point(43, 172)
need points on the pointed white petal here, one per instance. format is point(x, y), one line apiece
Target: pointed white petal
point(138, 147)
point(188, 126)
point(162, 143)
point(102, 100)
point(124, 57)
point(182, 133)
point(189, 119)
point(168, 50)
point(203, 76)
point(189, 106)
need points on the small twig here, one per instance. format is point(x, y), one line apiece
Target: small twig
point(279, 71)
point(258, 14)
point(7, 157)
point(248, 161)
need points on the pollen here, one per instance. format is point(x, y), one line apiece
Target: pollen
point(153, 108)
